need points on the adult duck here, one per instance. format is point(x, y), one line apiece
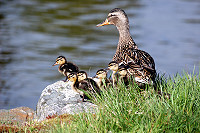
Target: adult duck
point(127, 50)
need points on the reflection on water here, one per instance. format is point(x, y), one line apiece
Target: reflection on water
point(34, 32)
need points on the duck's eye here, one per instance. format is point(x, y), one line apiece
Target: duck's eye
point(111, 15)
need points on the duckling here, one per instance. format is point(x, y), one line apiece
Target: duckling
point(88, 85)
point(75, 84)
point(114, 66)
point(65, 67)
point(119, 71)
point(123, 72)
point(127, 50)
point(82, 75)
point(102, 81)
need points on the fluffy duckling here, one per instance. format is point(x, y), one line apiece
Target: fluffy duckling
point(88, 85)
point(75, 84)
point(114, 66)
point(82, 75)
point(65, 67)
point(123, 73)
point(102, 79)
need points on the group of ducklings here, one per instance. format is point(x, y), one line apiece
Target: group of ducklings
point(82, 84)
point(129, 62)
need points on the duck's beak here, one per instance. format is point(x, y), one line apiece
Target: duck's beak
point(103, 23)
point(54, 64)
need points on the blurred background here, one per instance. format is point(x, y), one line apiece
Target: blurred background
point(34, 32)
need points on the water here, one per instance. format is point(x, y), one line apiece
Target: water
point(34, 32)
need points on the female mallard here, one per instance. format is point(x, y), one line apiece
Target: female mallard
point(65, 67)
point(127, 50)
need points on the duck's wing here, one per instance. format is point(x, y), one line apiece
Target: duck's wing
point(139, 57)
point(140, 73)
point(93, 87)
point(83, 85)
point(72, 67)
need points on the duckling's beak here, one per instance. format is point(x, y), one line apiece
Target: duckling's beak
point(103, 23)
point(54, 64)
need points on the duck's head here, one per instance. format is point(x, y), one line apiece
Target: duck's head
point(72, 77)
point(115, 17)
point(122, 70)
point(101, 74)
point(60, 60)
point(113, 66)
point(82, 75)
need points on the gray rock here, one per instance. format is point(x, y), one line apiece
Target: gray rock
point(59, 98)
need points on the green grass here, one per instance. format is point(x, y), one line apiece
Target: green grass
point(127, 110)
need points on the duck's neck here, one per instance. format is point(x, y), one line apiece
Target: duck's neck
point(73, 86)
point(125, 39)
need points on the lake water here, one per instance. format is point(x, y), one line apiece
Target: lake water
point(34, 32)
